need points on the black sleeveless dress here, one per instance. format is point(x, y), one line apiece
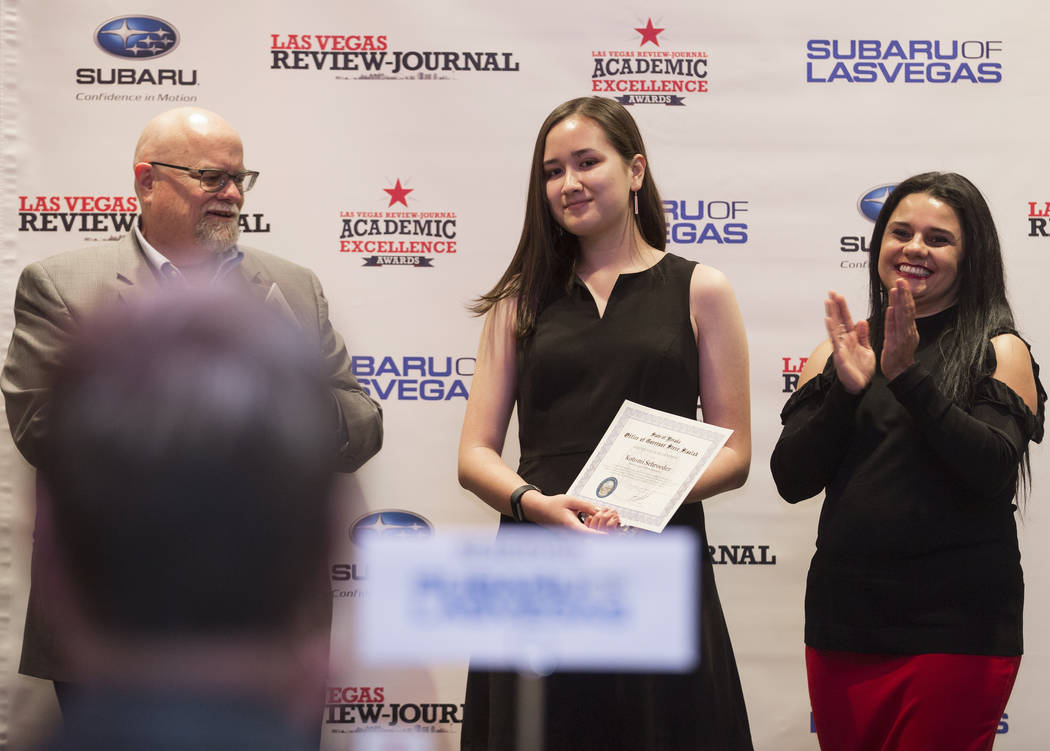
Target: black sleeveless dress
point(573, 374)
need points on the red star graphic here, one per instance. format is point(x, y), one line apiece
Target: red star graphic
point(397, 194)
point(649, 33)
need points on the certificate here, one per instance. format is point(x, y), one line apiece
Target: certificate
point(646, 464)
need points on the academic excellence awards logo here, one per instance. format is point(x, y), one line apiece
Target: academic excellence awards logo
point(653, 73)
point(135, 40)
point(398, 234)
point(371, 57)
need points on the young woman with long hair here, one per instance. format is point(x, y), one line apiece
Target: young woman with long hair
point(592, 311)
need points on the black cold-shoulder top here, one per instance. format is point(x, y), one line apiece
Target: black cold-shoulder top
point(916, 545)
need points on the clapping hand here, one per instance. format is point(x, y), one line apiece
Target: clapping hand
point(851, 346)
point(901, 336)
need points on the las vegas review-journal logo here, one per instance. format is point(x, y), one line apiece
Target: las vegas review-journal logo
point(413, 378)
point(1039, 218)
point(135, 39)
point(371, 57)
point(652, 72)
point(869, 204)
point(696, 221)
point(367, 708)
point(791, 371)
point(398, 234)
point(742, 555)
point(109, 214)
point(934, 61)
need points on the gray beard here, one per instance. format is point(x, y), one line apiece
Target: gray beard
point(217, 237)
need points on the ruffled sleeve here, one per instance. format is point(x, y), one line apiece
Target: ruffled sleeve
point(993, 392)
point(984, 445)
point(817, 422)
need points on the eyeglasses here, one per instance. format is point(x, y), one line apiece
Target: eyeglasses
point(214, 180)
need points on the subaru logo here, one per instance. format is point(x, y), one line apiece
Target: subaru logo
point(870, 204)
point(136, 36)
point(390, 523)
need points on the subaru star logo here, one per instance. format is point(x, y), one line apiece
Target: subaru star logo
point(389, 523)
point(136, 36)
point(870, 204)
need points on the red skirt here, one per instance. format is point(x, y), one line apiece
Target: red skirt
point(884, 702)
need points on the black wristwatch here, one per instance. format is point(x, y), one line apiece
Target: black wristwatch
point(515, 502)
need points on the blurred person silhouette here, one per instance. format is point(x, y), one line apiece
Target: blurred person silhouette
point(183, 511)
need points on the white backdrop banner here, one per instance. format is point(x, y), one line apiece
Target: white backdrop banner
point(393, 141)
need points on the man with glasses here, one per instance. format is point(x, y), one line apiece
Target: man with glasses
point(191, 181)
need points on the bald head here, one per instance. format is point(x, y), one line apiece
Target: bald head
point(184, 222)
point(178, 131)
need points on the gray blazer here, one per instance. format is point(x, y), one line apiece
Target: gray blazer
point(55, 294)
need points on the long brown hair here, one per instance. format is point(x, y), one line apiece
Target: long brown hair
point(543, 263)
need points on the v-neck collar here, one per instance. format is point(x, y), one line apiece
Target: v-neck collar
point(626, 275)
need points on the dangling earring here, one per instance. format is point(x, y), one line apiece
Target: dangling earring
point(635, 203)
